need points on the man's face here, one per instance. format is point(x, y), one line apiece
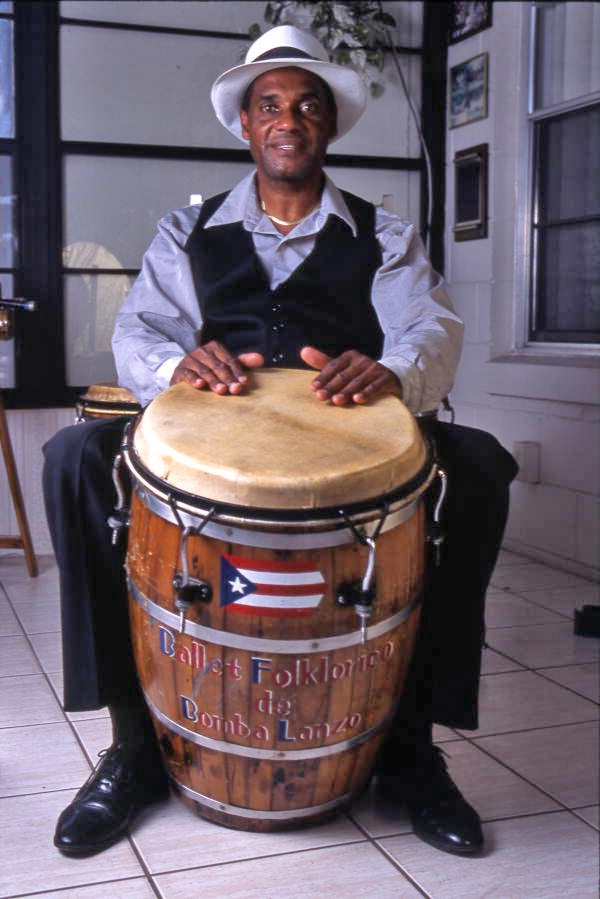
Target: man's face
point(289, 123)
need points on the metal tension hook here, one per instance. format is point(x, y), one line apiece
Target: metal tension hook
point(188, 589)
point(120, 517)
point(361, 595)
point(435, 532)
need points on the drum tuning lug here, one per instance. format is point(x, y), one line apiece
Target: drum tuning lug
point(116, 522)
point(364, 613)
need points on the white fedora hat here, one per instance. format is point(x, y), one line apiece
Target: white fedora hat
point(279, 48)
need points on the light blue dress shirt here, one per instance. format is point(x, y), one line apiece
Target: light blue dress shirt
point(160, 320)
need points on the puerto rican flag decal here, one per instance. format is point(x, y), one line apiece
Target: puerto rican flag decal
point(265, 587)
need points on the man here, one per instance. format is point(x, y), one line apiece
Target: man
point(284, 270)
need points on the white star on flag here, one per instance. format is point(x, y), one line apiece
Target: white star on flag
point(237, 586)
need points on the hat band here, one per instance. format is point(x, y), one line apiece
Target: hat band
point(283, 53)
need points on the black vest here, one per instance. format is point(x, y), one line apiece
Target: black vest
point(325, 303)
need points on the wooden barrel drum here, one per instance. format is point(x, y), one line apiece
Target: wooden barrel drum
point(105, 400)
point(276, 562)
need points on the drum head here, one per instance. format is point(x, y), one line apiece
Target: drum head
point(276, 446)
point(108, 392)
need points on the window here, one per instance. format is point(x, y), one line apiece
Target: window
point(564, 116)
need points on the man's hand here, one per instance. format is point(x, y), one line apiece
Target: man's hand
point(350, 378)
point(213, 366)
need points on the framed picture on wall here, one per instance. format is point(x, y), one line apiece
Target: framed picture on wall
point(468, 18)
point(471, 193)
point(469, 91)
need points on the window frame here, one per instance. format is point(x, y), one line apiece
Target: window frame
point(528, 232)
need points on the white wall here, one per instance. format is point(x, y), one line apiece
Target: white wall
point(520, 398)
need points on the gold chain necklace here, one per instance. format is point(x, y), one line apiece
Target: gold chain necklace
point(281, 221)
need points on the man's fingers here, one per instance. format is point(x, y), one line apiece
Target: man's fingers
point(213, 366)
point(251, 360)
point(313, 357)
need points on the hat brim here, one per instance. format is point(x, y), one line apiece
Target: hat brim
point(347, 86)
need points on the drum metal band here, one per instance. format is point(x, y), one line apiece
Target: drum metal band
point(264, 644)
point(240, 812)
point(269, 755)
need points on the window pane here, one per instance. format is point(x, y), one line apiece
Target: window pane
point(115, 203)
point(7, 347)
point(570, 264)
point(6, 6)
point(208, 16)
point(7, 90)
point(570, 165)
point(568, 52)
point(7, 213)
point(141, 87)
point(91, 304)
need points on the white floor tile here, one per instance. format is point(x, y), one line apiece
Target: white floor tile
point(139, 888)
point(583, 679)
point(165, 839)
point(562, 761)
point(521, 700)
point(507, 559)
point(503, 609)
point(27, 826)
point(591, 814)
point(345, 872)
point(95, 734)
point(56, 680)
point(39, 758)
point(534, 576)
point(494, 663)
point(444, 734)
point(16, 657)
point(543, 645)
point(27, 699)
point(537, 857)
point(8, 622)
point(38, 614)
point(48, 649)
point(564, 600)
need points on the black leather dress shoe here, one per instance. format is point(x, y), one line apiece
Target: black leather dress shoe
point(125, 782)
point(440, 815)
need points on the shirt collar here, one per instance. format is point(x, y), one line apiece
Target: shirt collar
point(241, 205)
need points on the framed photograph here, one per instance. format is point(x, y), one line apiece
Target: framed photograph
point(469, 91)
point(468, 18)
point(471, 193)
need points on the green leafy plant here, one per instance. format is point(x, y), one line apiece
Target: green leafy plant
point(354, 33)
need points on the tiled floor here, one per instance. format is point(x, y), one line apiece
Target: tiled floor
point(531, 771)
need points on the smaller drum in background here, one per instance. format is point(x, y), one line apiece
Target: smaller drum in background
point(105, 400)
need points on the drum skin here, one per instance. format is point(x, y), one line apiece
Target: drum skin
point(295, 733)
point(106, 400)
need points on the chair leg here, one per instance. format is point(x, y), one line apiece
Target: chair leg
point(24, 541)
